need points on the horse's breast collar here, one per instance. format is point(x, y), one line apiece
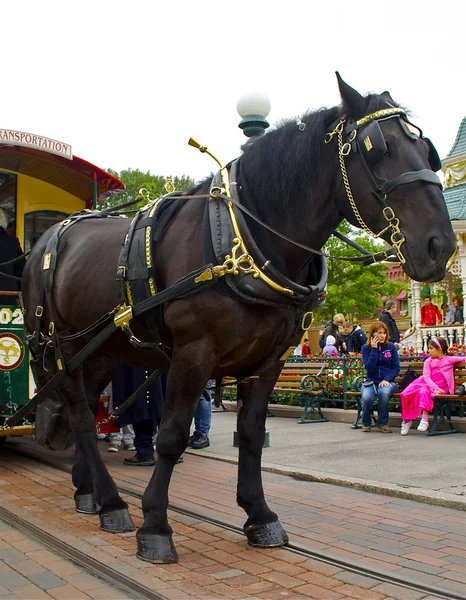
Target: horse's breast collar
point(255, 279)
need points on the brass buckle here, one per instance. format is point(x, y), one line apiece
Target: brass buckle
point(123, 316)
point(39, 311)
point(304, 322)
point(46, 261)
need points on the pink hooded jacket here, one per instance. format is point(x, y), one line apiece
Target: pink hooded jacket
point(443, 365)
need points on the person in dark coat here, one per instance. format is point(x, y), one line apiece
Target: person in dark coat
point(354, 338)
point(458, 317)
point(387, 317)
point(10, 248)
point(144, 414)
point(332, 328)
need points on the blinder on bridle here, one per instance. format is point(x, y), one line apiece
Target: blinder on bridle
point(364, 138)
point(367, 140)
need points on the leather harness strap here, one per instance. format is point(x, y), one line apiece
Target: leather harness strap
point(190, 284)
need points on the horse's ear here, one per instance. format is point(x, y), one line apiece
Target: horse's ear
point(388, 99)
point(354, 104)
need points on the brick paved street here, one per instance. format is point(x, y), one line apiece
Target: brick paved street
point(29, 571)
point(416, 541)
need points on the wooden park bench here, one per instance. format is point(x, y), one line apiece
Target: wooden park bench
point(303, 378)
point(442, 404)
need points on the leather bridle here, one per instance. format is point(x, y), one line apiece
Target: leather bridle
point(364, 138)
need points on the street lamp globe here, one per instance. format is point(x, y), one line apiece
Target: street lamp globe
point(253, 108)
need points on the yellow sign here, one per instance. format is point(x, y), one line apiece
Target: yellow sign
point(11, 351)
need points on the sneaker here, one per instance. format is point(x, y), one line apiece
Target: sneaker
point(461, 391)
point(405, 427)
point(423, 425)
point(384, 428)
point(113, 448)
point(366, 429)
point(200, 441)
point(137, 462)
point(131, 447)
point(192, 438)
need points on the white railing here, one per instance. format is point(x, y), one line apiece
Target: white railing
point(453, 333)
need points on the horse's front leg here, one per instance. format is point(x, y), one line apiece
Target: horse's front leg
point(113, 514)
point(186, 381)
point(263, 529)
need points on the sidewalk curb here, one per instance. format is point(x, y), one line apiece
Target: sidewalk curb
point(367, 485)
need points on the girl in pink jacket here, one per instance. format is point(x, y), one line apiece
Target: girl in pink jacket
point(437, 378)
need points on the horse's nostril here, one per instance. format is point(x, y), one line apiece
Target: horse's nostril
point(434, 247)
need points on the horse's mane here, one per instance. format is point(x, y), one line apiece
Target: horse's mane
point(288, 158)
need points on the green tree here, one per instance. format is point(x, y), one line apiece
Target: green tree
point(354, 289)
point(134, 180)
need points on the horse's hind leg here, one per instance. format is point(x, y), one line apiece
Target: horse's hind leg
point(95, 381)
point(263, 529)
point(114, 515)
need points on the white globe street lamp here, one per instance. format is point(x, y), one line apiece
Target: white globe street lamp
point(253, 108)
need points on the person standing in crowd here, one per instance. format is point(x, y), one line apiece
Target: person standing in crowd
point(123, 437)
point(382, 364)
point(330, 348)
point(354, 338)
point(430, 313)
point(144, 414)
point(202, 420)
point(437, 378)
point(332, 328)
point(10, 248)
point(448, 313)
point(388, 317)
point(458, 317)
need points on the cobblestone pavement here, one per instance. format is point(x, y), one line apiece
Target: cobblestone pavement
point(30, 571)
point(417, 541)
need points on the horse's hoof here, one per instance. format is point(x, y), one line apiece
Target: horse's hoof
point(156, 548)
point(86, 504)
point(116, 521)
point(266, 535)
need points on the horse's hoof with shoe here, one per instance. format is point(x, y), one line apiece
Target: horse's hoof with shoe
point(156, 548)
point(86, 504)
point(116, 521)
point(266, 535)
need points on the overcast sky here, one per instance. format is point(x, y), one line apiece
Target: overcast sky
point(127, 83)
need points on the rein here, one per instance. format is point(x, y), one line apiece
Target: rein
point(10, 262)
point(368, 258)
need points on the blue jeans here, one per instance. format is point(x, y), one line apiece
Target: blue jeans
point(203, 414)
point(367, 401)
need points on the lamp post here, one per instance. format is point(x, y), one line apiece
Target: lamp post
point(253, 108)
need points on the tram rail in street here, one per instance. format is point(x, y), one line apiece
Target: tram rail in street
point(123, 583)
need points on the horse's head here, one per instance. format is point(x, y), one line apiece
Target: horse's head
point(389, 184)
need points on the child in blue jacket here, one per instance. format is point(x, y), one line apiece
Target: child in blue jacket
point(382, 363)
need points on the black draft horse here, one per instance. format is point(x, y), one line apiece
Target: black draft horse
point(362, 161)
